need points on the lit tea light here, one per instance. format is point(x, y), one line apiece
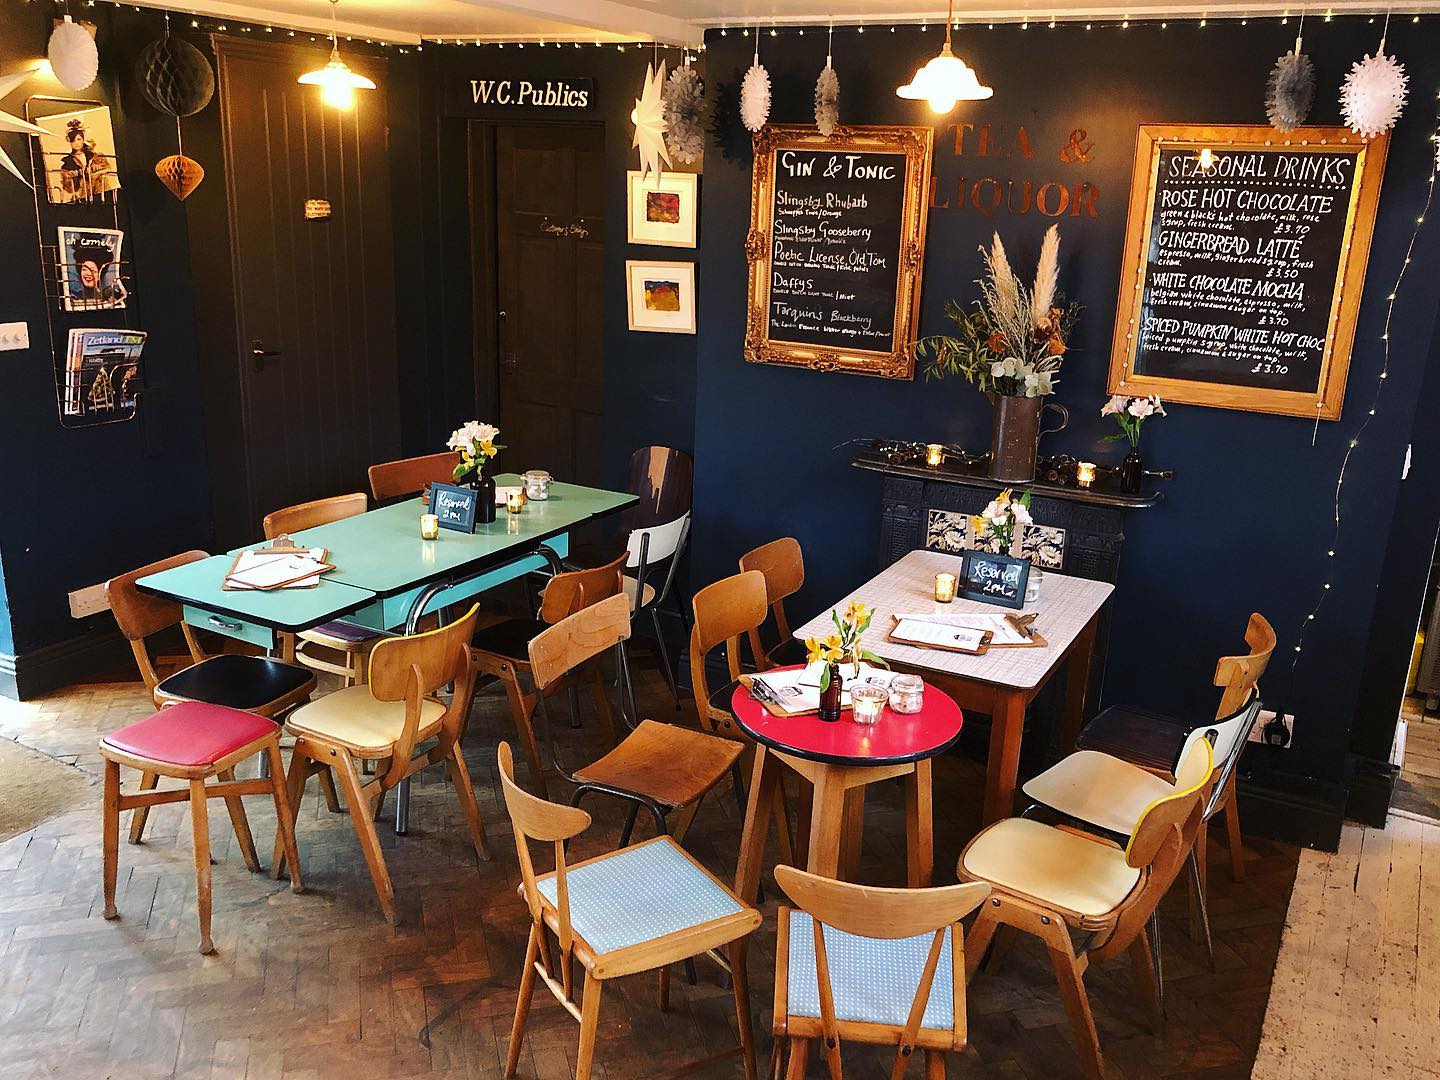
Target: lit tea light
point(515, 501)
point(1085, 473)
point(867, 702)
point(429, 527)
point(934, 454)
point(944, 588)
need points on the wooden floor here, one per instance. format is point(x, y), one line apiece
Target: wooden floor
point(1357, 983)
point(1418, 788)
point(318, 985)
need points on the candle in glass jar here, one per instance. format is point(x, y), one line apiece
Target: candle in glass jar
point(429, 527)
point(934, 454)
point(944, 588)
point(1085, 473)
point(515, 501)
point(866, 703)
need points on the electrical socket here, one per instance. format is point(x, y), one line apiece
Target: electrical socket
point(14, 335)
point(1257, 733)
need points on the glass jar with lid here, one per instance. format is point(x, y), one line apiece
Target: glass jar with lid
point(907, 693)
point(537, 485)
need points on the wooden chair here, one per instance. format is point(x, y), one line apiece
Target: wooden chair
point(195, 742)
point(663, 481)
point(648, 548)
point(396, 479)
point(664, 768)
point(502, 651)
point(253, 684)
point(637, 909)
point(351, 641)
point(1153, 741)
point(884, 941)
point(390, 717)
point(783, 564)
point(725, 612)
point(1048, 879)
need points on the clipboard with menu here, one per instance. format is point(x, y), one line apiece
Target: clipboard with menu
point(276, 568)
point(972, 633)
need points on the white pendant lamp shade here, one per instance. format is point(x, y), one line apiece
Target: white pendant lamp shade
point(944, 81)
point(336, 81)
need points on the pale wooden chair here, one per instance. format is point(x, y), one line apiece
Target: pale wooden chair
point(390, 717)
point(255, 684)
point(502, 651)
point(884, 941)
point(638, 909)
point(194, 742)
point(409, 476)
point(783, 564)
point(725, 612)
point(351, 641)
point(1047, 879)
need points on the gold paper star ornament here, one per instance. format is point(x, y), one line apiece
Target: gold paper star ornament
point(10, 122)
point(648, 117)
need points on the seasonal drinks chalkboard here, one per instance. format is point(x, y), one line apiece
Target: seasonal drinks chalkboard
point(836, 246)
point(1244, 260)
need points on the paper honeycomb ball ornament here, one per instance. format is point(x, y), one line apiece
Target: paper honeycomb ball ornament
point(1290, 91)
point(755, 97)
point(180, 174)
point(1373, 94)
point(175, 77)
point(827, 101)
point(72, 55)
point(685, 114)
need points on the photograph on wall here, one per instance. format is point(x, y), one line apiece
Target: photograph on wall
point(662, 210)
point(79, 155)
point(661, 296)
point(102, 374)
point(90, 278)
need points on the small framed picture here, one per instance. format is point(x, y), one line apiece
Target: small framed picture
point(661, 296)
point(662, 210)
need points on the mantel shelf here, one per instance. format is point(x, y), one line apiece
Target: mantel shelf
point(973, 475)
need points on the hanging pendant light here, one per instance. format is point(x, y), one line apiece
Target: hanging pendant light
point(946, 79)
point(336, 81)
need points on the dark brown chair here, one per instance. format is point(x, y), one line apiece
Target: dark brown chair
point(664, 480)
point(409, 476)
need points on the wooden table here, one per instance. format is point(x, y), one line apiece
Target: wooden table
point(839, 758)
point(1002, 682)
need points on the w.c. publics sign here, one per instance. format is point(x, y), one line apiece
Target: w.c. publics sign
point(481, 95)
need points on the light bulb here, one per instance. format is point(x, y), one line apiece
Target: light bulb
point(338, 95)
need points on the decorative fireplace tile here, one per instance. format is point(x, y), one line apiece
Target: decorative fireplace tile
point(947, 530)
point(1044, 545)
point(955, 530)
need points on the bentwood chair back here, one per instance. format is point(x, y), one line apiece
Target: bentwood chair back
point(637, 909)
point(408, 476)
point(1239, 675)
point(307, 515)
point(141, 615)
point(664, 479)
point(847, 955)
point(725, 612)
point(783, 564)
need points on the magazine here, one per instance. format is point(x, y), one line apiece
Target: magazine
point(102, 373)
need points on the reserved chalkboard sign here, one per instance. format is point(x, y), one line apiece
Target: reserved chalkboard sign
point(454, 506)
point(1244, 260)
point(994, 579)
point(836, 247)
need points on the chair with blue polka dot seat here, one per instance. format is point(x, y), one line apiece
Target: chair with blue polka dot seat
point(640, 908)
point(878, 966)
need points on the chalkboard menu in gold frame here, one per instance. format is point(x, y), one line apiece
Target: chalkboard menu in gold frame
point(836, 246)
point(1245, 257)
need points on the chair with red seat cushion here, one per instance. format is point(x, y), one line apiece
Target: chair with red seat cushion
point(193, 741)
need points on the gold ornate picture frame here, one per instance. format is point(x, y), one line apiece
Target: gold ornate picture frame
point(1326, 399)
point(766, 345)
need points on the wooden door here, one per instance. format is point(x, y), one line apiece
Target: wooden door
point(314, 298)
point(550, 245)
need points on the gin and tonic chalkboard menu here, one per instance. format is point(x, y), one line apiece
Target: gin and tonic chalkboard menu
point(836, 246)
point(1244, 267)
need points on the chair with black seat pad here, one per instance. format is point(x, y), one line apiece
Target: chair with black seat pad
point(502, 651)
point(663, 480)
point(783, 565)
point(253, 684)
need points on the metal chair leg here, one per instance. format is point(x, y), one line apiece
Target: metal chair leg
point(1199, 886)
point(629, 825)
point(665, 655)
point(574, 693)
point(1152, 931)
point(627, 682)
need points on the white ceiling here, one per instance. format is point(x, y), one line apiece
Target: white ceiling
point(684, 21)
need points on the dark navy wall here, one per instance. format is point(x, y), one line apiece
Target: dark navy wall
point(1244, 525)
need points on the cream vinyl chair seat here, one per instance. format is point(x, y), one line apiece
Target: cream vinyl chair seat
point(364, 725)
point(1083, 877)
point(1099, 789)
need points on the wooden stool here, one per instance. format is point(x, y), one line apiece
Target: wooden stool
point(193, 741)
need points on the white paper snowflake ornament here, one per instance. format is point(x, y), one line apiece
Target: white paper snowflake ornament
point(755, 93)
point(1373, 94)
point(72, 54)
point(648, 116)
point(685, 113)
point(11, 122)
point(1290, 91)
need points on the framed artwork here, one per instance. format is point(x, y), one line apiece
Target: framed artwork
point(90, 278)
point(1245, 256)
point(661, 296)
point(662, 210)
point(79, 154)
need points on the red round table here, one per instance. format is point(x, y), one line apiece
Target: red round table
point(840, 759)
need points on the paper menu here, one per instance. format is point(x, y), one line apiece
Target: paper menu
point(939, 635)
point(793, 693)
point(267, 570)
point(1000, 627)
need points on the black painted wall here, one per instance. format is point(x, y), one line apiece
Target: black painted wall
point(1244, 525)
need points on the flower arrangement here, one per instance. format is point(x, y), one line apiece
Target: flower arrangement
point(1130, 413)
point(1013, 340)
point(844, 644)
point(1000, 519)
point(476, 445)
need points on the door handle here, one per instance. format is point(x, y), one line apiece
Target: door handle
point(260, 352)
